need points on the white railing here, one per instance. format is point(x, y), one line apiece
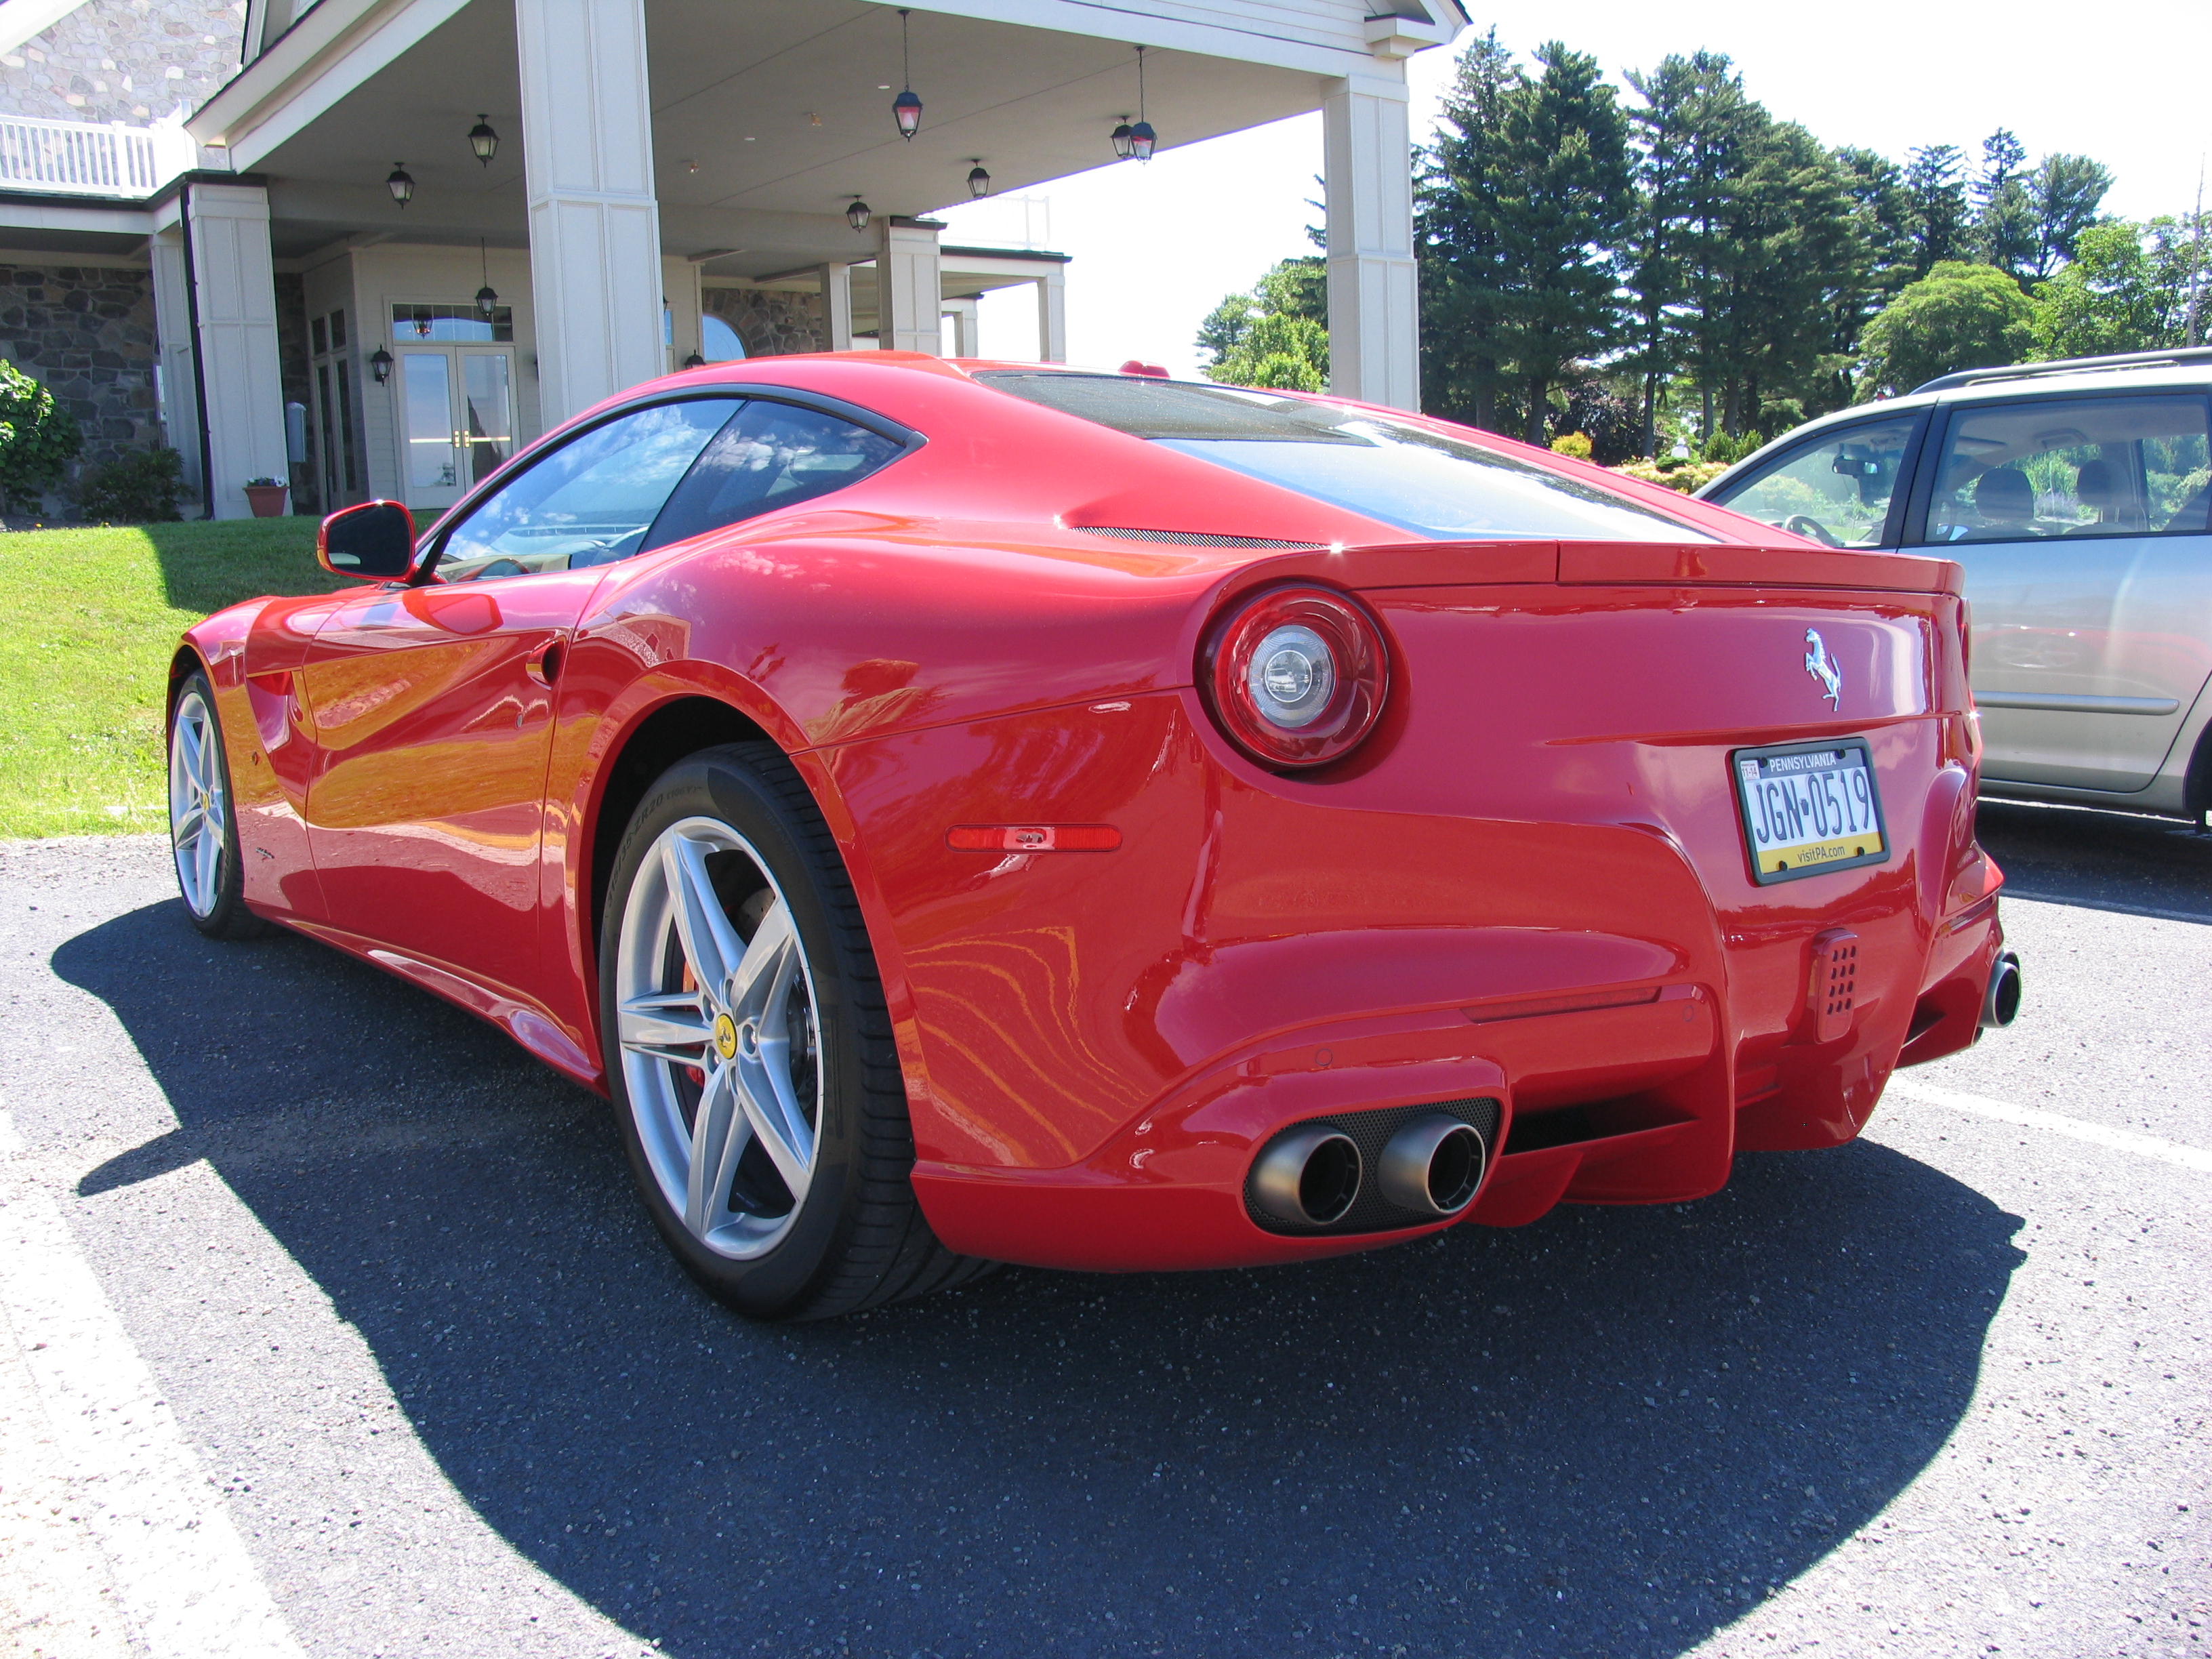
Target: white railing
point(83, 158)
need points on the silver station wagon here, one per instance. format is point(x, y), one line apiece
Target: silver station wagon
point(2077, 496)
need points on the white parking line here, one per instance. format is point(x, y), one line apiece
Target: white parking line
point(2030, 1117)
point(190, 1589)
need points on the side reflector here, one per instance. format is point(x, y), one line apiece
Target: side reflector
point(1033, 838)
point(1578, 1002)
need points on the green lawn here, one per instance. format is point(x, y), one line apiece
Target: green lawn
point(89, 619)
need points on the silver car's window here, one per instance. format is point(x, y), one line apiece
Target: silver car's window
point(2098, 466)
point(590, 502)
point(1422, 481)
point(1836, 491)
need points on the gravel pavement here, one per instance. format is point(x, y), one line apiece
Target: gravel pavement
point(407, 1343)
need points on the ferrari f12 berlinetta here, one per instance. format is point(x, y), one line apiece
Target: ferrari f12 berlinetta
point(968, 812)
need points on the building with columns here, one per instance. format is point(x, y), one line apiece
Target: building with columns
point(596, 192)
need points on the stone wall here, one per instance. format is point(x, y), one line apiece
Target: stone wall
point(86, 332)
point(771, 323)
point(125, 60)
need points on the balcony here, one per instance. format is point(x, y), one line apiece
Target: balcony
point(85, 158)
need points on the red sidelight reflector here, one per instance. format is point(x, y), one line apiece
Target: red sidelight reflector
point(1033, 838)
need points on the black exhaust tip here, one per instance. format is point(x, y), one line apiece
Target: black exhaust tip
point(1432, 1165)
point(2001, 1002)
point(1308, 1177)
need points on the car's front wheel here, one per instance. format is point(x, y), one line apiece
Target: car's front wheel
point(748, 1052)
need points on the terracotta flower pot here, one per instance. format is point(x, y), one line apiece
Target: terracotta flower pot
point(267, 500)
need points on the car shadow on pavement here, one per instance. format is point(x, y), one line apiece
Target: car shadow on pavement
point(1611, 1431)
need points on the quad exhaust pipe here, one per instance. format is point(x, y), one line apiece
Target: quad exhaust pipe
point(2001, 1001)
point(1311, 1176)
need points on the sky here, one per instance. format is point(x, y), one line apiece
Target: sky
point(1157, 245)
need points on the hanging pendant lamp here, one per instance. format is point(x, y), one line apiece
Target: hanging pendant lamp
point(1123, 136)
point(906, 108)
point(978, 182)
point(487, 297)
point(401, 183)
point(1142, 138)
point(857, 214)
point(483, 141)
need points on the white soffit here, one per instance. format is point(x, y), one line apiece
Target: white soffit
point(22, 19)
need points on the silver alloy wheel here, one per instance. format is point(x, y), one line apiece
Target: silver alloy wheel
point(720, 1054)
point(199, 804)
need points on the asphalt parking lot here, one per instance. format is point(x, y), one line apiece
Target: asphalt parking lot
point(385, 1332)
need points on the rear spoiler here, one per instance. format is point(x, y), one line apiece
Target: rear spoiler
point(1452, 564)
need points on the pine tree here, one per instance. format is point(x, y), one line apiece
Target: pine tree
point(1937, 205)
point(2064, 193)
point(1459, 239)
point(2004, 219)
point(1564, 184)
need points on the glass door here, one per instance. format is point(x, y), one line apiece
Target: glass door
point(487, 410)
point(456, 420)
point(431, 463)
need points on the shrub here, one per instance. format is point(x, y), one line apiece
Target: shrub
point(1685, 476)
point(38, 439)
point(1576, 444)
point(139, 489)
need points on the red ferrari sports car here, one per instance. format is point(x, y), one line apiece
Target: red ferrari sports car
point(967, 812)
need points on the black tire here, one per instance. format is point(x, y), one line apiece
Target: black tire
point(855, 1238)
point(217, 906)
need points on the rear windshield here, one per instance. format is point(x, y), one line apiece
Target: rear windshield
point(1432, 486)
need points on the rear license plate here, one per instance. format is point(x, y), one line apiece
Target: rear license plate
point(1809, 808)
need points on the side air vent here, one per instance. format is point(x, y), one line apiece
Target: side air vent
point(1188, 538)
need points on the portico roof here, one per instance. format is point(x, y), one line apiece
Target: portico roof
point(769, 116)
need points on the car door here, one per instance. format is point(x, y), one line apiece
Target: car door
point(432, 704)
point(1840, 487)
point(2081, 525)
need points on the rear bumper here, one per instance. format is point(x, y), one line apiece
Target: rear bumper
point(1643, 1102)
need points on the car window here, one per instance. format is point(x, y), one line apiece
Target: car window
point(1837, 490)
point(2094, 467)
point(771, 455)
point(590, 502)
point(1422, 481)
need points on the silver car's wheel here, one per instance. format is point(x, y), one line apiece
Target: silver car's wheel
point(720, 1052)
point(202, 829)
point(199, 802)
point(749, 1051)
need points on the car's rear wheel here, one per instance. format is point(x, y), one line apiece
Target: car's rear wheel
point(203, 829)
point(748, 1052)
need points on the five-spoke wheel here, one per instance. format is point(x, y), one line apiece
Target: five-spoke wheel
point(720, 1054)
point(202, 833)
point(749, 1051)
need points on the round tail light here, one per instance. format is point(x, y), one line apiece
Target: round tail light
point(1296, 676)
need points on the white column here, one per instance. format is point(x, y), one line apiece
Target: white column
point(180, 415)
point(594, 222)
point(965, 329)
point(1374, 300)
point(837, 306)
point(1052, 314)
point(223, 241)
point(909, 287)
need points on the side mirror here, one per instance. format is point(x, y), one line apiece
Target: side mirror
point(373, 542)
